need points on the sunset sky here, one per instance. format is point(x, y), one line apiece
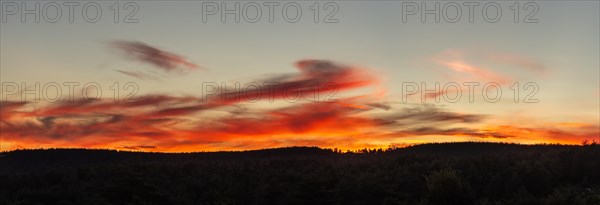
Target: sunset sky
point(363, 69)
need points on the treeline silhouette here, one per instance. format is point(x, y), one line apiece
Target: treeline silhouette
point(447, 173)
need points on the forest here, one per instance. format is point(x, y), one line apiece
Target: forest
point(462, 173)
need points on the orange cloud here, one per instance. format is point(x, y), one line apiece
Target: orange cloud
point(553, 133)
point(108, 124)
point(325, 124)
point(170, 122)
point(180, 123)
point(455, 61)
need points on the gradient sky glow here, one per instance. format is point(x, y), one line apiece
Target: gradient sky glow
point(368, 55)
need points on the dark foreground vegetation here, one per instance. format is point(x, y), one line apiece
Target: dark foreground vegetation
point(453, 173)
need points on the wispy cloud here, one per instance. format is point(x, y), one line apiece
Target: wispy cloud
point(108, 124)
point(138, 75)
point(470, 132)
point(181, 123)
point(518, 60)
point(138, 147)
point(164, 122)
point(463, 68)
point(316, 76)
point(159, 59)
point(552, 132)
point(455, 61)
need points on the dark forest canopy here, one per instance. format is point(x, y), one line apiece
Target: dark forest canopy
point(446, 173)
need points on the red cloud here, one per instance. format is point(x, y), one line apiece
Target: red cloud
point(316, 76)
point(173, 123)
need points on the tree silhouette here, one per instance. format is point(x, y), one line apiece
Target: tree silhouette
point(446, 173)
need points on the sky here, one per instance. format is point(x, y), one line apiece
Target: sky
point(162, 75)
